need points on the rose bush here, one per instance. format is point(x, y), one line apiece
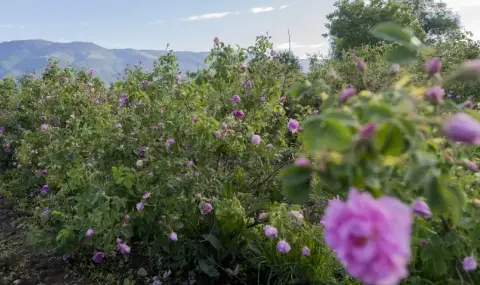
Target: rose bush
point(224, 175)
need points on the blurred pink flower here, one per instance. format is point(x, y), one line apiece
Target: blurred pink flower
point(462, 128)
point(89, 232)
point(256, 139)
point(370, 237)
point(421, 209)
point(283, 246)
point(305, 251)
point(469, 264)
point(434, 65)
point(236, 99)
point(146, 195)
point(206, 208)
point(302, 161)
point(123, 248)
point(173, 236)
point(293, 125)
point(270, 231)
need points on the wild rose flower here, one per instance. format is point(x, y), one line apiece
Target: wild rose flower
point(118, 125)
point(367, 130)
point(123, 248)
point(434, 94)
point(347, 93)
point(43, 172)
point(141, 151)
point(145, 83)
point(293, 125)
point(139, 163)
point(45, 188)
point(302, 161)
point(90, 73)
point(169, 143)
point(469, 264)
point(89, 233)
point(462, 128)
point(243, 66)
point(261, 216)
point(89, 84)
point(2, 131)
point(195, 119)
point(196, 174)
point(361, 65)
point(190, 163)
point(6, 148)
point(256, 139)
point(238, 114)
point(206, 208)
point(367, 234)
point(44, 127)
point(421, 209)
point(283, 246)
point(139, 206)
point(270, 231)
point(122, 99)
point(98, 257)
point(262, 99)
point(217, 134)
point(146, 195)
point(178, 78)
point(173, 236)
point(236, 99)
point(216, 41)
point(97, 101)
point(45, 212)
point(434, 65)
point(305, 251)
point(249, 84)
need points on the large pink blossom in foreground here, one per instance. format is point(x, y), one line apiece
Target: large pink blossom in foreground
point(370, 237)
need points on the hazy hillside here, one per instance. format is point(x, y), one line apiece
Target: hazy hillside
point(19, 57)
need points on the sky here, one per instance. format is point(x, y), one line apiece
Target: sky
point(187, 25)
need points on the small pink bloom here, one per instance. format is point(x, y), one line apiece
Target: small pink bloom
point(302, 161)
point(423, 243)
point(236, 99)
point(270, 231)
point(261, 216)
point(98, 257)
point(195, 119)
point(238, 114)
point(283, 246)
point(421, 209)
point(256, 139)
point(367, 130)
point(169, 143)
point(173, 236)
point(468, 104)
point(434, 65)
point(198, 197)
point(472, 165)
point(463, 128)
point(361, 65)
point(297, 215)
point(469, 264)
point(190, 163)
point(347, 93)
point(123, 248)
point(139, 206)
point(216, 41)
point(262, 99)
point(146, 195)
point(89, 232)
point(435, 94)
point(206, 208)
point(293, 125)
point(305, 251)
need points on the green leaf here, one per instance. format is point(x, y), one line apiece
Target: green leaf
point(402, 54)
point(298, 90)
point(343, 117)
point(213, 240)
point(296, 183)
point(435, 193)
point(393, 33)
point(390, 140)
point(330, 134)
point(468, 71)
point(208, 269)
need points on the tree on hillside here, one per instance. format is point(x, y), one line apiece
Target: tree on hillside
point(350, 24)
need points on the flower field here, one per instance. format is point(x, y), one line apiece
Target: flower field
point(249, 171)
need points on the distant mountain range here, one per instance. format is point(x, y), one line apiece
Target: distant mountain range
point(20, 57)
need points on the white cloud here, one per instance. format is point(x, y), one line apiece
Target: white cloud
point(285, 6)
point(262, 9)
point(295, 46)
point(208, 16)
